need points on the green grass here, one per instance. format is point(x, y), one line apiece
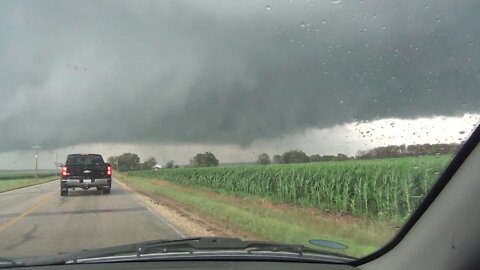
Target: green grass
point(270, 221)
point(16, 183)
point(390, 188)
point(18, 174)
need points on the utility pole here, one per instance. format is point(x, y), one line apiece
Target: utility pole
point(56, 162)
point(37, 148)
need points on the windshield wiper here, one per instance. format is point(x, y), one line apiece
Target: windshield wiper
point(6, 262)
point(200, 244)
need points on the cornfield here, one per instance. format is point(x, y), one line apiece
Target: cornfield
point(385, 187)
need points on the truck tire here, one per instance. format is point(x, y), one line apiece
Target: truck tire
point(107, 190)
point(63, 190)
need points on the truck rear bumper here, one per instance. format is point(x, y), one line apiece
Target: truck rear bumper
point(87, 183)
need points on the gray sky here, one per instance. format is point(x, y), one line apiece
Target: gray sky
point(347, 139)
point(227, 75)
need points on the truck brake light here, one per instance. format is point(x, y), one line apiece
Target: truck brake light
point(109, 170)
point(64, 171)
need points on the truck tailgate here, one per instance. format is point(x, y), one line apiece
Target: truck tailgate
point(87, 171)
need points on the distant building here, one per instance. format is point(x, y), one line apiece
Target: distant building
point(157, 167)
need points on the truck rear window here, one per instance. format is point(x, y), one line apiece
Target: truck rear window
point(84, 160)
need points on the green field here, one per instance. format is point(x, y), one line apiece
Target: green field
point(11, 184)
point(18, 174)
point(390, 188)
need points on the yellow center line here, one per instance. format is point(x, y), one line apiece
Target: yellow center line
point(44, 200)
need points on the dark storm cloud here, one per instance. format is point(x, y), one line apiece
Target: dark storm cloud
point(227, 71)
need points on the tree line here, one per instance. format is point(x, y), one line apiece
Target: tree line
point(403, 150)
point(131, 161)
point(391, 151)
point(298, 156)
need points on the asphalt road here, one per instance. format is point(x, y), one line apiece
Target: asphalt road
point(36, 221)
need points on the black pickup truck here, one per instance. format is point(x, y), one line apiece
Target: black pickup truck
point(85, 171)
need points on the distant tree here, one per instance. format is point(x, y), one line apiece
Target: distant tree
point(170, 164)
point(277, 159)
point(176, 166)
point(113, 160)
point(338, 157)
point(295, 156)
point(315, 158)
point(341, 157)
point(361, 154)
point(149, 163)
point(263, 159)
point(207, 159)
point(329, 158)
point(408, 151)
point(128, 161)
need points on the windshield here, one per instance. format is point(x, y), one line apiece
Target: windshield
point(322, 124)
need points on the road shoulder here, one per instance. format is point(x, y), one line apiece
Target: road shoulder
point(187, 222)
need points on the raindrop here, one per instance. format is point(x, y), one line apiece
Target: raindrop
point(336, 1)
point(324, 22)
point(384, 27)
point(302, 24)
point(268, 7)
point(416, 167)
point(429, 89)
point(462, 132)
